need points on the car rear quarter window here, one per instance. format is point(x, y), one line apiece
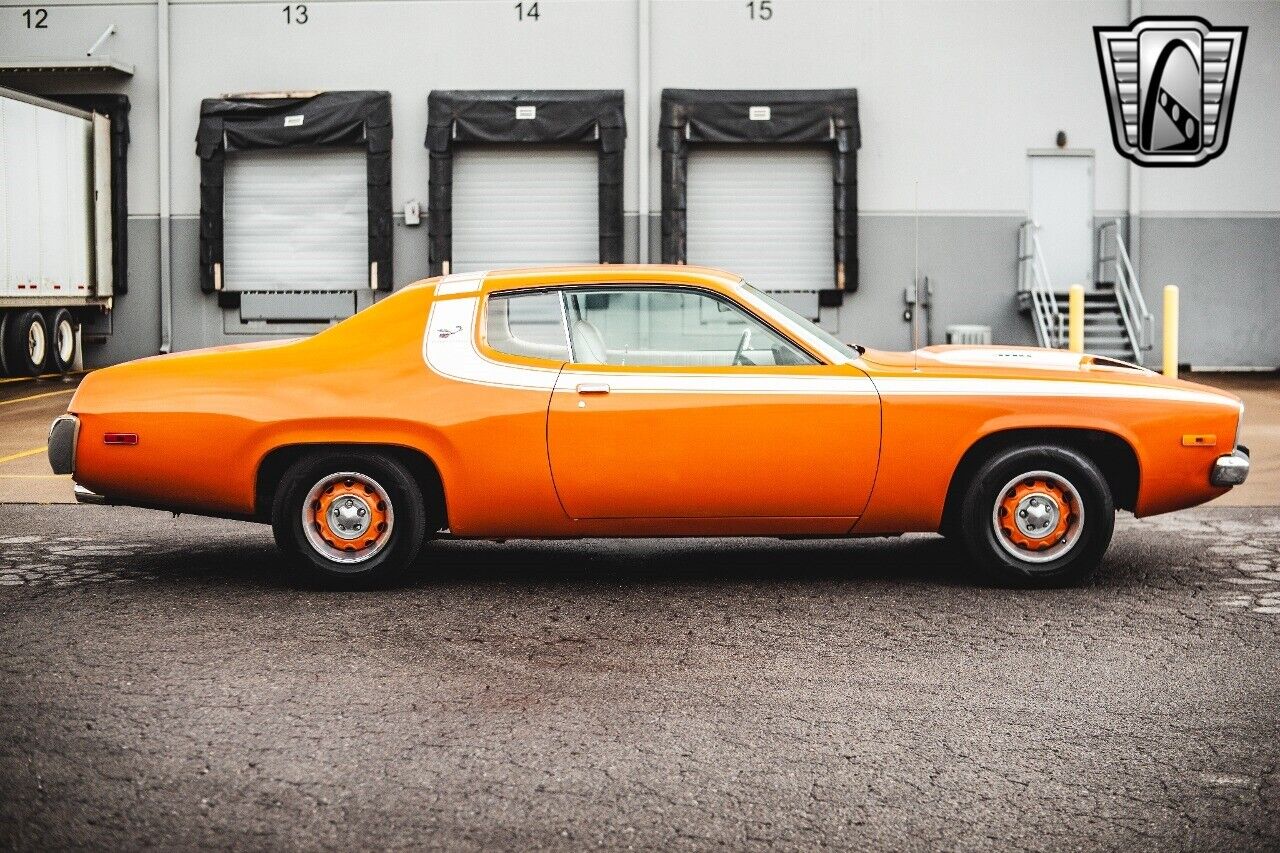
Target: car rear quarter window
point(526, 324)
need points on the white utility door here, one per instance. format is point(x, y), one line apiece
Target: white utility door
point(765, 213)
point(295, 220)
point(523, 205)
point(1062, 204)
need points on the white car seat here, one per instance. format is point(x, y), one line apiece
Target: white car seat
point(588, 345)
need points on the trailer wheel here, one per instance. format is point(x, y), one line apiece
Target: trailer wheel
point(4, 323)
point(26, 343)
point(62, 345)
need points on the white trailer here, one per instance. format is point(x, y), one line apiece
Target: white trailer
point(55, 230)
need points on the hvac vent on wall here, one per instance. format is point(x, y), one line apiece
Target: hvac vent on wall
point(969, 335)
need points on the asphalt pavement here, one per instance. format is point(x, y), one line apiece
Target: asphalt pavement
point(163, 684)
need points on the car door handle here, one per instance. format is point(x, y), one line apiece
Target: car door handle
point(593, 388)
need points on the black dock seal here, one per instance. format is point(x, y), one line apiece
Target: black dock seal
point(795, 117)
point(116, 108)
point(328, 119)
point(588, 117)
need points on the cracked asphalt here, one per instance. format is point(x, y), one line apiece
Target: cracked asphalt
point(164, 685)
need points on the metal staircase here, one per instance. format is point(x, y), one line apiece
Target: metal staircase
point(1117, 323)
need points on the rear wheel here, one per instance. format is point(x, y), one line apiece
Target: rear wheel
point(62, 333)
point(349, 519)
point(1038, 517)
point(4, 326)
point(26, 343)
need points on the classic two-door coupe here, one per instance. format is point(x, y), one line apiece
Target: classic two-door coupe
point(621, 401)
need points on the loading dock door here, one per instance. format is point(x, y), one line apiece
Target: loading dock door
point(516, 206)
point(296, 220)
point(765, 213)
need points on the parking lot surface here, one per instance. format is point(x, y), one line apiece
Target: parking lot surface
point(164, 684)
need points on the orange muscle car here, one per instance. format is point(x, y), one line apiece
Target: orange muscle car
point(629, 401)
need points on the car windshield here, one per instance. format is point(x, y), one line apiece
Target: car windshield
point(804, 322)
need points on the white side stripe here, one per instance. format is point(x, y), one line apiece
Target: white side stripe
point(946, 387)
point(716, 383)
point(449, 350)
point(463, 282)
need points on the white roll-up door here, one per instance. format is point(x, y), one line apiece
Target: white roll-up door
point(295, 220)
point(764, 213)
point(517, 206)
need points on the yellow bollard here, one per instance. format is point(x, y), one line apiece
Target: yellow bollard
point(1171, 331)
point(1075, 318)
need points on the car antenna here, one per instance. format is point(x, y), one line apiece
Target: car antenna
point(915, 286)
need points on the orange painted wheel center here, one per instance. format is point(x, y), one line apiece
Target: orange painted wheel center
point(349, 515)
point(1036, 514)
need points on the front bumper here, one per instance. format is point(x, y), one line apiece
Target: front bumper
point(1232, 469)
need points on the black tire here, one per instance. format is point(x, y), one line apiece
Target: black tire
point(355, 476)
point(1038, 556)
point(62, 341)
point(4, 325)
point(22, 330)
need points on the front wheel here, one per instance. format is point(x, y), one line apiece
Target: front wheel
point(1038, 517)
point(349, 519)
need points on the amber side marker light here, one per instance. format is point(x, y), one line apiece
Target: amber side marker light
point(126, 438)
point(1209, 440)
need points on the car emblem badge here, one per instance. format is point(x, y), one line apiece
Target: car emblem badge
point(444, 333)
point(1170, 84)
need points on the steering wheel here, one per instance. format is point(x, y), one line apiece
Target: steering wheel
point(743, 343)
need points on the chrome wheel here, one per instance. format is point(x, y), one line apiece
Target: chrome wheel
point(36, 343)
point(64, 338)
point(1038, 516)
point(347, 517)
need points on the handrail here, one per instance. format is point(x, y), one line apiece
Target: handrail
point(1033, 279)
point(1129, 298)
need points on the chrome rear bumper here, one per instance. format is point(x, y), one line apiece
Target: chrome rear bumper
point(84, 496)
point(1232, 469)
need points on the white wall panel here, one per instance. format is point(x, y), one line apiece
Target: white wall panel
point(952, 94)
point(1245, 179)
point(407, 48)
point(72, 27)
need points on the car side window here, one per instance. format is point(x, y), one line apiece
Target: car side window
point(669, 327)
point(529, 324)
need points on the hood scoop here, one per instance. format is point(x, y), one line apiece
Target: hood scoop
point(1113, 363)
point(1030, 357)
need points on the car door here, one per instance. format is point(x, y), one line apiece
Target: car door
point(679, 403)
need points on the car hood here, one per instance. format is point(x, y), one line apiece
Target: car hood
point(997, 358)
point(996, 363)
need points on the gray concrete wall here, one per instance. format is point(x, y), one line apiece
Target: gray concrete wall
point(1227, 269)
point(132, 329)
point(953, 94)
